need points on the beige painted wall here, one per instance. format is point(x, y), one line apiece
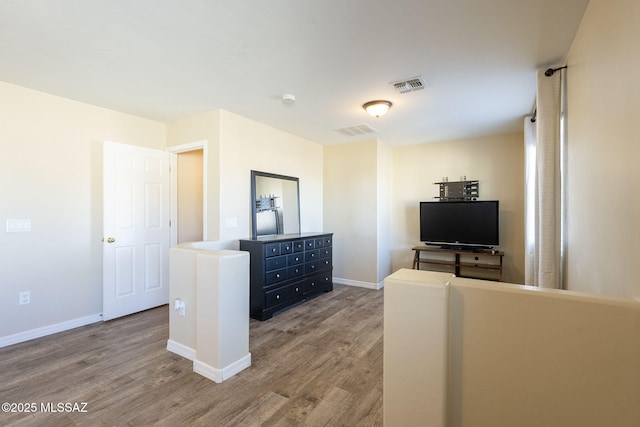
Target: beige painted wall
point(357, 198)
point(350, 201)
point(203, 127)
point(506, 355)
point(603, 210)
point(249, 145)
point(51, 173)
point(238, 145)
point(496, 162)
point(384, 218)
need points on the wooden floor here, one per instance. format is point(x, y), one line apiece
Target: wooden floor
point(317, 364)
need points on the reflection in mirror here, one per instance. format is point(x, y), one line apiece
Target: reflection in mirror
point(275, 204)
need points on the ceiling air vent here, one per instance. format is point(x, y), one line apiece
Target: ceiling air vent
point(356, 130)
point(409, 85)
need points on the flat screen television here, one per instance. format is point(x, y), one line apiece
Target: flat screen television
point(460, 224)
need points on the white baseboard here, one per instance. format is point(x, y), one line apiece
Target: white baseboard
point(368, 285)
point(181, 349)
point(219, 375)
point(48, 330)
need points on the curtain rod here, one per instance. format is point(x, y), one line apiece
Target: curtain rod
point(550, 72)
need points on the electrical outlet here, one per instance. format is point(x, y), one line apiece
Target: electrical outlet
point(24, 298)
point(180, 307)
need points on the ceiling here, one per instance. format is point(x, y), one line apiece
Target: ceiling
point(170, 59)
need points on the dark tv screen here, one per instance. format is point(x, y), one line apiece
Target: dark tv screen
point(460, 223)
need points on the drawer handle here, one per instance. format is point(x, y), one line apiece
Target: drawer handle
point(297, 270)
point(312, 266)
point(296, 289)
point(297, 259)
point(312, 255)
point(278, 275)
point(277, 296)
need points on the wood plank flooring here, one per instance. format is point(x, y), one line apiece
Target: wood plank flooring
point(317, 364)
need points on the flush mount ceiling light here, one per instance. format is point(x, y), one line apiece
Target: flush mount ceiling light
point(377, 108)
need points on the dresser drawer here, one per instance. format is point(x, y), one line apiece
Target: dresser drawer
point(311, 267)
point(286, 248)
point(276, 262)
point(325, 263)
point(272, 249)
point(295, 259)
point(280, 295)
point(275, 276)
point(311, 255)
point(325, 253)
point(317, 282)
point(298, 246)
point(295, 271)
point(310, 243)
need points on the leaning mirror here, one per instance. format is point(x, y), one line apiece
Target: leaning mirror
point(275, 204)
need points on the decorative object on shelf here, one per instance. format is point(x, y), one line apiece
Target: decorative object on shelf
point(267, 203)
point(458, 190)
point(377, 108)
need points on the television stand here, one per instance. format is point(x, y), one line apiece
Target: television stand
point(463, 262)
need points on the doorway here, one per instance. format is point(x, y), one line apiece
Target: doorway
point(190, 197)
point(188, 192)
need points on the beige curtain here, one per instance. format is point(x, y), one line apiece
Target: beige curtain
point(543, 266)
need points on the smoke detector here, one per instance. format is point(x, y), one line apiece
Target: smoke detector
point(409, 85)
point(288, 98)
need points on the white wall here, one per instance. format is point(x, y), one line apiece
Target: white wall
point(603, 151)
point(497, 162)
point(51, 173)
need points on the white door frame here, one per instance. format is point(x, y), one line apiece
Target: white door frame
point(174, 151)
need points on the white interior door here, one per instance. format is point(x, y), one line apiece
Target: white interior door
point(136, 229)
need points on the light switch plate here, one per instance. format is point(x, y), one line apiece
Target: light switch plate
point(18, 225)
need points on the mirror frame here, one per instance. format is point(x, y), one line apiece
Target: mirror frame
point(257, 174)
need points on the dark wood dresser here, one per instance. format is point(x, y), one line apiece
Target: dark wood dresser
point(287, 269)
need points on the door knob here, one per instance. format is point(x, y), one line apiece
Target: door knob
point(110, 239)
